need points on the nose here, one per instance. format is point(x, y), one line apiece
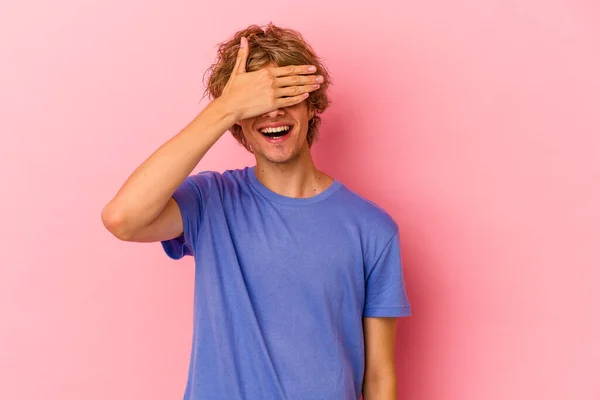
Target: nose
point(274, 113)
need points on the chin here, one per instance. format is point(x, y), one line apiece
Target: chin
point(287, 151)
point(279, 158)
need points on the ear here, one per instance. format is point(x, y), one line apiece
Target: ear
point(311, 112)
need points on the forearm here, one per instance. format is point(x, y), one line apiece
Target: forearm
point(383, 388)
point(146, 192)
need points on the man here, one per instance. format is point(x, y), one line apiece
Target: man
point(298, 280)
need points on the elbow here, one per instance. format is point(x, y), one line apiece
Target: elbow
point(115, 221)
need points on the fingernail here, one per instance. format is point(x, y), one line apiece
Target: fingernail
point(243, 42)
point(312, 68)
point(319, 78)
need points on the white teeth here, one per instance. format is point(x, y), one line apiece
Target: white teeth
point(275, 130)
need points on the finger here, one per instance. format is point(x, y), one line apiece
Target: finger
point(242, 56)
point(293, 70)
point(291, 101)
point(297, 80)
point(296, 90)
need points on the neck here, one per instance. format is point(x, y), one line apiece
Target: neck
point(297, 178)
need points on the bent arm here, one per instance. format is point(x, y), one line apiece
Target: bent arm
point(143, 209)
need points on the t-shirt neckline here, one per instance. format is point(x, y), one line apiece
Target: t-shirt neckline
point(291, 201)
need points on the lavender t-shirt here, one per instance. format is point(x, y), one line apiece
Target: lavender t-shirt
point(281, 287)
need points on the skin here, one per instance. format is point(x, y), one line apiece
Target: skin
point(286, 168)
point(143, 209)
point(380, 380)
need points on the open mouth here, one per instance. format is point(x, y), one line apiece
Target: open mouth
point(277, 132)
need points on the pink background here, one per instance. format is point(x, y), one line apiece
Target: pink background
point(474, 123)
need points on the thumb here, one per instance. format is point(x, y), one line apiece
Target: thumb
point(242, 56)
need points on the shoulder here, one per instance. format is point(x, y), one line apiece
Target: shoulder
point(377, 230)
point(370, 216)
point(220, 180)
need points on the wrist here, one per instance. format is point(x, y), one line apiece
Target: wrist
point(228, 112)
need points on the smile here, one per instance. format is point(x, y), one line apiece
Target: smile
point(276, 132)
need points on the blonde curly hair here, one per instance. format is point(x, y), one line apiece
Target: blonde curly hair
point(276, 45)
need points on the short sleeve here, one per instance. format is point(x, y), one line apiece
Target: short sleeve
point(385, 290)
point(191, 197)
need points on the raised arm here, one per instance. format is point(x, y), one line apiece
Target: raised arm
point(143, 209)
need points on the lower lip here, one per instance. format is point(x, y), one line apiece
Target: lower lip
point(279, 139)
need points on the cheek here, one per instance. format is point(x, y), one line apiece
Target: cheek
point(246, 123)
point(246, 127)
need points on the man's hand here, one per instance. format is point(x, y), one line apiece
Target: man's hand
point(250, 94)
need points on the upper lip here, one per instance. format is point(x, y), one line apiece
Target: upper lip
point(273, 125)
